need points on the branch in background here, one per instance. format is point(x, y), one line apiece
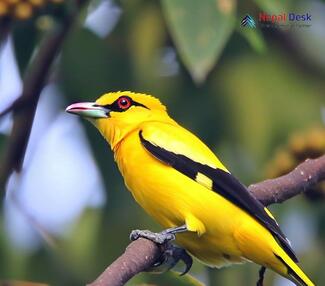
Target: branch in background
point(34, 82)
point(16, 106)
point(285, 187)
point(142, 253)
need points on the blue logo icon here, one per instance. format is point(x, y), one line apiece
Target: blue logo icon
point(248, 21)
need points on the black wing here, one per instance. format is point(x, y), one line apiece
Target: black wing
point(224, 184)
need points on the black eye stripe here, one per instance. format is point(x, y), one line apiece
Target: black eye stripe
point(115, 105)
point(139, 104)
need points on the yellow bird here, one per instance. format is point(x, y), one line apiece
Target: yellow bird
point(178, 181)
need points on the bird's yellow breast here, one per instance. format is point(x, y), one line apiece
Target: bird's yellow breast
point(173, 199)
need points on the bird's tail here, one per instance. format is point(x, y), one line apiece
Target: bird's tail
point(294, 273)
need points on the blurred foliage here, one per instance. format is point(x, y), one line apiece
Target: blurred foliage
point(20, 283)
point(23, 9)
point(275, 7)
point(301, 146)
point(254, 38)
point(251, 92)
point(200, 42)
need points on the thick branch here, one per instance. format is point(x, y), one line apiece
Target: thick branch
point(142, 253)
point(285, 187)
point(138, 256)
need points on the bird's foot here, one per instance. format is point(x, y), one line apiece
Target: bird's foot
point(157, 237)
point(174, 254)
point(171, 254)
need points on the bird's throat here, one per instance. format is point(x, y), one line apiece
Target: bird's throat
point(113, 134)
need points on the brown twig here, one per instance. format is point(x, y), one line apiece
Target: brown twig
point(33, 84)
point(142, 253)
point(16, 106)
point(285, 187)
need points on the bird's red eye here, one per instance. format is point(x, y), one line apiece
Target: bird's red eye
point(124, 102)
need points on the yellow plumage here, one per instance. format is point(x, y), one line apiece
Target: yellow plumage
point(220, 232)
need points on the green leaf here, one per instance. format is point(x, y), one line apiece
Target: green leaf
point(200, 30)
point(254, 37)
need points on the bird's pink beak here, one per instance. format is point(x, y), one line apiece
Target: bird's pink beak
point(88, 110)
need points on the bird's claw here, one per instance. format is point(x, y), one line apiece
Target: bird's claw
point(157, 237)
point(171, 255)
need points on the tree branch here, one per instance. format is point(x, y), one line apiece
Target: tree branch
point(287, 186)
point(25, 106)
point(138, 256)
point(143, 253)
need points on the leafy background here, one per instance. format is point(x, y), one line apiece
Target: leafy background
point(253, 95)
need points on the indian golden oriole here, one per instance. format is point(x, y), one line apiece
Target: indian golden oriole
point(177, 179)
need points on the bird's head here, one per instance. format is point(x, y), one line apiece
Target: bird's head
point(115, 114)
